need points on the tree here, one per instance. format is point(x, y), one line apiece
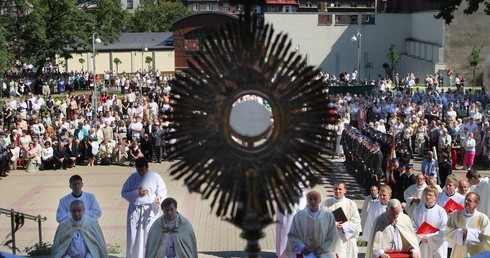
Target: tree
point(81, 61)
point(474, 61)
point(148, 61)
point(5, 56)
point(394, 57)
point(154, 16)
point(448, 7)
point(51, 27)
point(117, 61)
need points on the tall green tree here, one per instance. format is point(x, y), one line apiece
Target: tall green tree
point(447, 8)
point(394, 58)
point(49, 27)
point(475, 61)
point(155, 16)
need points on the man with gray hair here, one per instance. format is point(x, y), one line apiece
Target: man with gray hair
point(79, 235)
point(393, 233)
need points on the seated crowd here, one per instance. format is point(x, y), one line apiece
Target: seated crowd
point(42, 132)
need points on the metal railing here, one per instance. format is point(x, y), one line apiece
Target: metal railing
point(17, 221)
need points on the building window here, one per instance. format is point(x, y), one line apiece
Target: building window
point(257, 9)
point(369, 5)
point(129, 4)
point(336, 4)
point(209, 7)
point(271, 9)
point(353, 4)
point(287, 9)
point(308, 4)
point(226, 6)
point(196, 6)
point(337, 18)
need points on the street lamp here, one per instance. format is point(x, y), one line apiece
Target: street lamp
point(95, 41)
point(357, 37)
point(143, 50)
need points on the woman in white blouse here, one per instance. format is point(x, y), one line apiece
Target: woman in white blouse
point(47, 155)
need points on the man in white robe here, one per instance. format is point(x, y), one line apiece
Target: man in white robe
point(468, 230)
point(283, 224)
point(431, 244)
point(366, 206)
point(481, 186)
point(393, 233)
point(377, 208)
point(171, 235)
point(92, 208)
point(313, 231)
point(144, 190)
point(350, 229)
point(450, 193)
point(413, 194)
point(78, 235)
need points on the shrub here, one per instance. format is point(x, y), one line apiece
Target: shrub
point(39, 249)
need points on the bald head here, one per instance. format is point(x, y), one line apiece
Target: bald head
point(313, 200)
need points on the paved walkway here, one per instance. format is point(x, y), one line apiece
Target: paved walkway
point(39, 193)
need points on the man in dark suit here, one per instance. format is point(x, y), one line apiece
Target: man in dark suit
point(159, 142)
point(146, 146)
point(72, 152)
point(60, 156)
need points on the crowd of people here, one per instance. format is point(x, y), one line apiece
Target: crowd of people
point(42, 132)
point(409, 212)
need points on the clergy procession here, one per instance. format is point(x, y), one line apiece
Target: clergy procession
point(426, 221)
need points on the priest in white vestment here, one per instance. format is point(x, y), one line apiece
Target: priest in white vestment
point(79, 235)
point(377, 208)
point(144, 190)
point(481, 186)
point(313, 230)
point(432, 244)
point(468, 230)
point(171, 235)
point(413, 194)
point(350, 229)
point(366, 206)
point(393, 233)
point(283, 223)
point(92, 208)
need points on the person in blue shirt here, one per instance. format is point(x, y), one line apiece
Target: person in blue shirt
point(429, 165)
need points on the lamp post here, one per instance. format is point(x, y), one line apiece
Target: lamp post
point(143, 50)
point(94, 41)
point(357, 38)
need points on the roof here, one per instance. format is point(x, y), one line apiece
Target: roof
point(139, 40)
point(285, 2)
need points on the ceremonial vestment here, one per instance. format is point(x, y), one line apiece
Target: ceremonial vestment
point(377, 208)
point(413, 192)
point(477, 238)
point(142, 211)
point(483, 190)
point(392, 236)
point(314, 230)
point(436, 216)
point(84, 236)
point(92, 208)
point(351, 228)
point(176, 237)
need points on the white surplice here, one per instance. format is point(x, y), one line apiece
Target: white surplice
point(436, 216)
point(351, 228)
